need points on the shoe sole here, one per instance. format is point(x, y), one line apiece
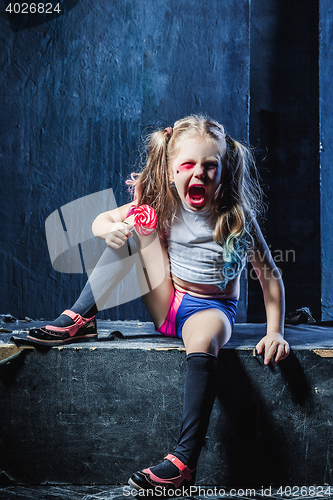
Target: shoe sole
point(70, 340)
point(140, 488)
point(136, 486)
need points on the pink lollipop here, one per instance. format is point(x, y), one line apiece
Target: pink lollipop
point(145, 220)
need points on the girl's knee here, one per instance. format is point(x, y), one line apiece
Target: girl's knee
point(206, 343)
point(208, 336)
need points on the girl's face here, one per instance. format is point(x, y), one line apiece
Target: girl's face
point(196, 171)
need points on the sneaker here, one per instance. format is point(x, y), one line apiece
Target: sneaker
point(83, 329)
point(147, 480)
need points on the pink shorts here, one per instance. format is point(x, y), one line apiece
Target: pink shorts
point(169, 328)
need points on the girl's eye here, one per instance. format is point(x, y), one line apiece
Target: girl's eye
point(186, 166)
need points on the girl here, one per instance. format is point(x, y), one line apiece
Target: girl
point(198, 181)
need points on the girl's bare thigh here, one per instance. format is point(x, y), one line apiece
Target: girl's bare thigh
point(156, 264)
point(206, 331)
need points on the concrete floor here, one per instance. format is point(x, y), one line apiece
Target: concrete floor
point(121, 493)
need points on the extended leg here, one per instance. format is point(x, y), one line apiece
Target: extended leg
point(78, 323)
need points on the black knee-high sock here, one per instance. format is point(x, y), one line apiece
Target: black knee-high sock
point(111, 268)
point(199, 397)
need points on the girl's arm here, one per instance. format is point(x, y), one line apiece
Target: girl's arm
point(114, 226)
point(271, 283)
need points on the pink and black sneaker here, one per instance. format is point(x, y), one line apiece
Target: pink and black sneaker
point(147, 479)
point(83, 329)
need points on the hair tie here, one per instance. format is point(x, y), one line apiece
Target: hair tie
point(169, 130)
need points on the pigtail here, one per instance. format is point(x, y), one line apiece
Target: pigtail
point(236, 206)
point(152, 185)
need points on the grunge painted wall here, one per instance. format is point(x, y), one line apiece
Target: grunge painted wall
point(326, 155)
point(77, 92)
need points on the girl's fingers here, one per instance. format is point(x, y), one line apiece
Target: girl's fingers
point(120, 235)
point(114, 245)
point(122, 228)
point(126, 229)
point(269, 355)
point(260, 346)
point(114, 241)
point(285, 351)
point(279, 353)
point(117, 238)
point(270, 352)
point(272, 348)
point(129, 225)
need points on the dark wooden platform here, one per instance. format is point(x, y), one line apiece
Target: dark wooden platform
point(142, 335)
point(95, 412)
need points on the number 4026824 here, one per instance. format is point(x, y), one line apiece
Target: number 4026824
point(32, 8)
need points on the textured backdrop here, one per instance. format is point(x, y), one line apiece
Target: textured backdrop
point(77, 93)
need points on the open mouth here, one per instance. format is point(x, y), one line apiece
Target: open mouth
point(197, 194)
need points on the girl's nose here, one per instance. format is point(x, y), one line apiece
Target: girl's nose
point(199, 171)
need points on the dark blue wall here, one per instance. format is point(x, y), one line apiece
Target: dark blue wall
point(77, 93)
point(80, 90)
point(326, 155)
point(284, 129)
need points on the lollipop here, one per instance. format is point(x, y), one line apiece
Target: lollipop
point(145, 220)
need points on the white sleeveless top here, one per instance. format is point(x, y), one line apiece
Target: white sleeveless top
point(194, 255)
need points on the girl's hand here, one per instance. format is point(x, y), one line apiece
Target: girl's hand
point(119, 233)
point(273, 344)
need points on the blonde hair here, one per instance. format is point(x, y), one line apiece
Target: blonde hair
point(237, 203)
